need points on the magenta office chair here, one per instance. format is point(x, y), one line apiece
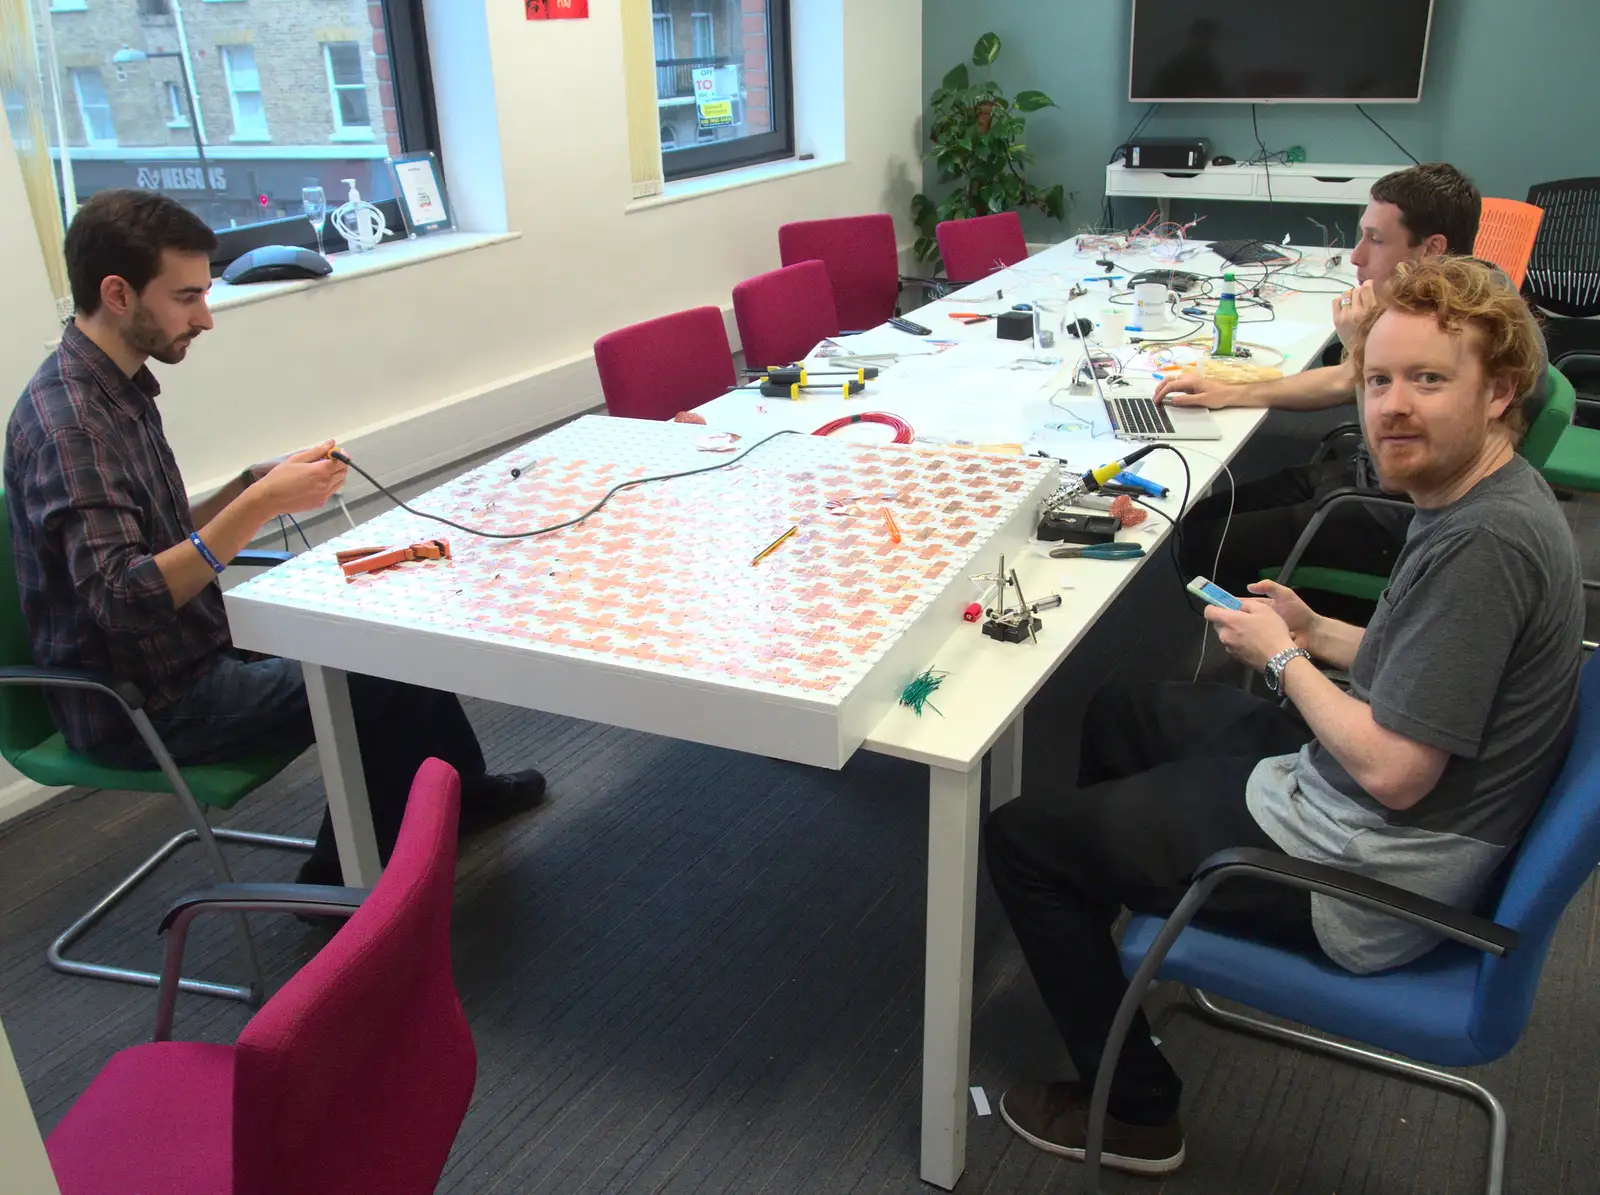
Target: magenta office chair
point(863, 263)
point(655, 369)
point(975, 248)
point(783, 315)
point(353, 1078)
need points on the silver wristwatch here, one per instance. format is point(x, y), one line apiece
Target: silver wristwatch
point(1278, 663)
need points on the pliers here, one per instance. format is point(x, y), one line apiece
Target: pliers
point(1116, 550)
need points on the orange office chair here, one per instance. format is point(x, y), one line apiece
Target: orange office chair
point(1506, 233)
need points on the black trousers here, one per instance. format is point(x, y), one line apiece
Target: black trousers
point(1268, 516)
point(1161, 788)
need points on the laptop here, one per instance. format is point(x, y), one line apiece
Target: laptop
point(1136, 415)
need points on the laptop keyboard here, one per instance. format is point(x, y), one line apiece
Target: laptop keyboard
point(1246, 252)
point(1139, 416)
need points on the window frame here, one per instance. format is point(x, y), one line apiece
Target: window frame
point(90, 141)
point(177, 107)
point(234, 93)
point(342, 131)
point(411, 72)
point(714, 157)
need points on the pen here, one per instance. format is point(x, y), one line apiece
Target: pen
point(888, 521)
point(773, 546)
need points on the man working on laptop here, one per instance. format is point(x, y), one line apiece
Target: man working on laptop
point(118, 571)
point(1424, 775)
point(1417, 214)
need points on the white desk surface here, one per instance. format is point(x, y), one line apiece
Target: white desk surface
point(989, 682)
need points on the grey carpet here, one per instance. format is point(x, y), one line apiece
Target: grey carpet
point(699, 971)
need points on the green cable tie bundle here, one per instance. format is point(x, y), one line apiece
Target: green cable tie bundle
point(916, 694)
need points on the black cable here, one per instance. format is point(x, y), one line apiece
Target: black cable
point(1265, 164)
point(298, 528)
point(1177, 526)
point(616, 489)
point(1108, 212)
point(1388, 134)
point(284, 527)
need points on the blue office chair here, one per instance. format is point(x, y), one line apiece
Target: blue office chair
point(1464, 1003)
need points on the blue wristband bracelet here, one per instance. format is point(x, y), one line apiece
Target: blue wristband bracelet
point(194, 538)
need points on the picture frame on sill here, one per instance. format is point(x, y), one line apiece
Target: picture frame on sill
point(419, 187)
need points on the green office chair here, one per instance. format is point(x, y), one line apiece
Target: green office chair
point(1574, 463)
point(30, 742)
point(1541, 447)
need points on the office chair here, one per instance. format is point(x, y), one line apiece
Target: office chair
point(30, 742)
point(863, 263)
point(662, 366)
point(1574, 462)
point(1548, 429)
point(1564, 269)
point(353, 1078)
point(1506, 232)
point(784, 314)
point(1464, 1003)
point(973, 249)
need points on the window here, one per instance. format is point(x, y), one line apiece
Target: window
point(244, 93)
point(94, 107)
point(155, 8)
point(177, 109)
point(348, 87)
point(705, 35)
point(727, 99)
point(227, 157)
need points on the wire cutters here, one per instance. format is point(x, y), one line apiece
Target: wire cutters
point(1116, 550)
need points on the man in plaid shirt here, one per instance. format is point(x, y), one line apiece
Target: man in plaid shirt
point(117, 569)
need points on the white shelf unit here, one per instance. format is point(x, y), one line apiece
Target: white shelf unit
point(1303, 182)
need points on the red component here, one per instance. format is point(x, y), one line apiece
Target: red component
point(902, 429)
point(972, 613)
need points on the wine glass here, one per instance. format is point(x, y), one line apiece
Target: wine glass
point(315, 202)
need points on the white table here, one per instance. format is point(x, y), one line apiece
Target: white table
point(989, 684)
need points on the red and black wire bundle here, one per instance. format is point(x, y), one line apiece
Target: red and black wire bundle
point(902, 429)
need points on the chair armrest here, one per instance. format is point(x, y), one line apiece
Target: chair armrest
point(259, 558)
point(1325, 445)
point(1467, 928)
point(238, 898)
point(1345, 496)
point(71, 678)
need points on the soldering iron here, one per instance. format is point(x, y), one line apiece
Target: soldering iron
point(1095, 478)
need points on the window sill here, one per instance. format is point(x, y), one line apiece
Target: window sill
point(729, 180)
point(353, 135)
point(395, 255)
point(181, 125)
point(240, 139)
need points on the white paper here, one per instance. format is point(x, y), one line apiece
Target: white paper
point(980, 1101)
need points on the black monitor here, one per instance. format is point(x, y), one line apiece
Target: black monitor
point(1284, 51)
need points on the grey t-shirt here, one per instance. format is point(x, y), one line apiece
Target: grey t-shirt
point(1474, 649)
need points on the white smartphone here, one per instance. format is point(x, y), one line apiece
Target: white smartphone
point(1214, 595)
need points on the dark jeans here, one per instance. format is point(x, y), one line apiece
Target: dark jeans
point(254, 705)
point(1268, 516)
point(1161, 789)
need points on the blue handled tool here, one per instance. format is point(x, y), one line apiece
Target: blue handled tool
point(1116, 550)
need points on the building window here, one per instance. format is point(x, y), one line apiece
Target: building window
point(347, 87)
point(177, 110)
point(224, 156)
point(727, 98)
point(244, 93)
point(94, 107)
point(155, 8)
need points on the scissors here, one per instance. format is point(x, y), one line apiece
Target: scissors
point(1116, 550)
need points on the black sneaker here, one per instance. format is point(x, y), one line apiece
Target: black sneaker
point(490, 800)
point(1055, 1118)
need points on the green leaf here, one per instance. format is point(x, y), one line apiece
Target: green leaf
point(986, 51)
point(925, 248)
point(1055, 202)
point(1033, 101)
point(921, 206)
point(997, 201)
point(957, 79)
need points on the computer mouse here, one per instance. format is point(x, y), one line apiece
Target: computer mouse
point(276, 263)
point(1224, 160)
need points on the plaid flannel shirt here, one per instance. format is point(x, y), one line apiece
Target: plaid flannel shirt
point(93, 493)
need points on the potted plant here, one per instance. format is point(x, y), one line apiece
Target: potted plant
point(977, 136)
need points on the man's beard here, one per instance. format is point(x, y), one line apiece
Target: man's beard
point(145, 336)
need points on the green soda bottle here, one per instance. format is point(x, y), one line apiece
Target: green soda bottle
point(1227, 320)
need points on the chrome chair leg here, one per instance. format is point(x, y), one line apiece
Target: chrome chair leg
point(1499, 1130)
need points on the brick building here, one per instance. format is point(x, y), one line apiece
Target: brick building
point(727, 36)
point(287, 93)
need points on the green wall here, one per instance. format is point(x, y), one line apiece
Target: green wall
point(1509, 97)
